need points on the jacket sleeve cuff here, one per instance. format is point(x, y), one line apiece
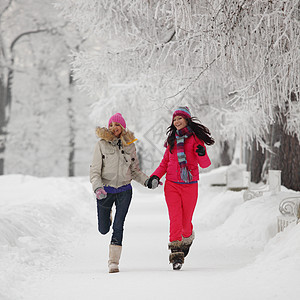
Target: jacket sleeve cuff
point(204, 161)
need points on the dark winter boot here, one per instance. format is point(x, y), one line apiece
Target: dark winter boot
point(187, 243)
point(176, 256)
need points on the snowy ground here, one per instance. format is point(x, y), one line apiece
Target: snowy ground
point(50, 247)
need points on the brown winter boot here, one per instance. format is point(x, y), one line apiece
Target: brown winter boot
point(187, 243)
point(114, 258)
point(176, 256)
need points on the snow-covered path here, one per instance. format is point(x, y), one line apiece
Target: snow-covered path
point(211, 271)
point(236, 254)
point(145, 274)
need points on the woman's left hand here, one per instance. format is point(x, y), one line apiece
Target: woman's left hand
point(200, 150)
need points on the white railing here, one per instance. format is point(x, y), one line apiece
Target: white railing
point(274, 179)
point(237, 178)
point(273, 186)
point(290, 212)
point(289, 207)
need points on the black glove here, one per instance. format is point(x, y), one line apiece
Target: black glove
point(200, 150)
point(152, 182)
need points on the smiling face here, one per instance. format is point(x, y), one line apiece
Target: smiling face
point(179, 122)
point(116, 129)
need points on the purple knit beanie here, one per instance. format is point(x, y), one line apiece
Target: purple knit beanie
point(182, 111)
point(117, 118)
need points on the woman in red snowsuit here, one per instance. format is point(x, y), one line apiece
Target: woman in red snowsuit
point(185, 150)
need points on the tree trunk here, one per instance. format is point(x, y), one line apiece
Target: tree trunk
point(256, 162)
point(224, 156)
point(289, 157)
point(286, 154)
point(5, 109)
point(71, 171)
point(2, 123)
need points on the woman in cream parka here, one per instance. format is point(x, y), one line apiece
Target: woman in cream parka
point(114, 165)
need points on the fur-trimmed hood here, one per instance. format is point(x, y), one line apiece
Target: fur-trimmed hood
point(113, 165)
point(127, 137)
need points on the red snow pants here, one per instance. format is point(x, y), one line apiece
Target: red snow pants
point(181, 201)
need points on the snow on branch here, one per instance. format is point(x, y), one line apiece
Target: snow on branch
point(255, 44)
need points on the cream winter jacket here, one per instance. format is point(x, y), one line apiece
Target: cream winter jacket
point(115, 161)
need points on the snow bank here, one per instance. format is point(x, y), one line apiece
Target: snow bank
point(275, 272)
point(215, 206)
point(252, 223)
point(236, 224)
point(215, 176)
point(38, 218)
point(282, 250)
point(42, 218)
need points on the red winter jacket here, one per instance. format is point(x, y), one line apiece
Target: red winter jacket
point(170, 164)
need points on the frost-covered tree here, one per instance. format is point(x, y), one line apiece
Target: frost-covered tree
point(238, 57)
point(175, 45)
point(8, 50)
point(40, 126)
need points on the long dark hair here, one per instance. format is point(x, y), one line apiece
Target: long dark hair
point(198, 129)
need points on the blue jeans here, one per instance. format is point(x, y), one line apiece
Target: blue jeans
point(122, 201)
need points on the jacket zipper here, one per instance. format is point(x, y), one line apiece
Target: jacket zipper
point(118, 146)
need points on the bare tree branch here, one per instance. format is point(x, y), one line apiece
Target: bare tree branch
point(6, 8)
point(16, 39)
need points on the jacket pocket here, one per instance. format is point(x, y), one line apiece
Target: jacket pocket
point(110, 161)
point(108, 156)
point(195, 172)
point(125, 165)
point(126, 156)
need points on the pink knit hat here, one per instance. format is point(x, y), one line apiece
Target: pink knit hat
point(118, 119)
point(182, 111)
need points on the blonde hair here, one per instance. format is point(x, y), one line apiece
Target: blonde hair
point(127, 137)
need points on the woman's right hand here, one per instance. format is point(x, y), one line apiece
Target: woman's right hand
point(100, 193)
point(152, 182)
